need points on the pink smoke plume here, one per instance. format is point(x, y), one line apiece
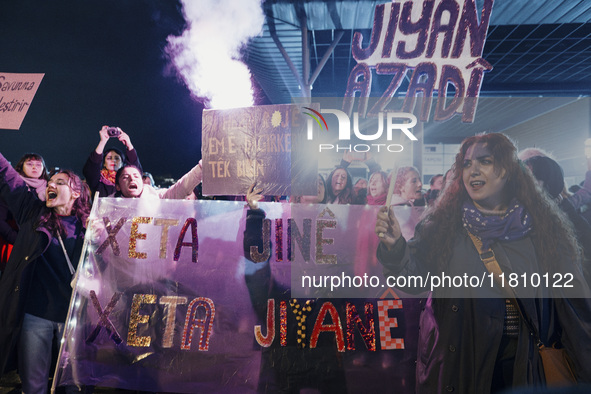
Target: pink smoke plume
point(207, 54)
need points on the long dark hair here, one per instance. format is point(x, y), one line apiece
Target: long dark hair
point(325, 197)
point(346, 195)
point(81, 208)
point(32, 156)
point(553, 235)
point(120, 153)
point(385, 180)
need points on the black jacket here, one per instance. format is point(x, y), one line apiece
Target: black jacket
point(29, 245)
point(461, 330)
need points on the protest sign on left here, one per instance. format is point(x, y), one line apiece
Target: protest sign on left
point(16, 94)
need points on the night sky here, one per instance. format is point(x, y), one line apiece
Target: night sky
point(104, 63)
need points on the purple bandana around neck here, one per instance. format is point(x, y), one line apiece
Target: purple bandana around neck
point(514, 224)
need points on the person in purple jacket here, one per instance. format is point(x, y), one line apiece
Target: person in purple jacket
point(101, 167)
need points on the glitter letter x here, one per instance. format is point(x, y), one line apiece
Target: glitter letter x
point(104, 318)
point(111, 236)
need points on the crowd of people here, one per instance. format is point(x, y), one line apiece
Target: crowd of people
point(491, 213)
point(517, 210)
point(517, 207)
point(43, 219)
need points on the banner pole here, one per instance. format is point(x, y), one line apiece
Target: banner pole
point(73, 284)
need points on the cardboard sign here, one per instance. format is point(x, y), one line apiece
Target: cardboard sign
point(16, 94)
point(439, 43)
point(242, 146)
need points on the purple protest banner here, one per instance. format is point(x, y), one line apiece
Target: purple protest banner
point(165, 301)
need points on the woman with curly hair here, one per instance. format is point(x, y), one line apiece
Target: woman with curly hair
point(35, 288)
point(482, 339)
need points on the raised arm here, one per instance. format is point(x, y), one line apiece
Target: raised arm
point(184, 186)
point(396, 255)
point(366, 158)
point(131, 153)
point(94, 164)
point(387, 228)
point(253, 232)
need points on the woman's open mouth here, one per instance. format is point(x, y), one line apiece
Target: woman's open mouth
point(476, 185)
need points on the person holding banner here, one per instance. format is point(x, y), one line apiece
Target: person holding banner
point(481, 339)
point(33, 170)
point(101, 167)
point(129, 184)
point(35, 289)
point(290, 367)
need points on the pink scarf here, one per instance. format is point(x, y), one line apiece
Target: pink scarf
point(38, 184)
point(379, 200)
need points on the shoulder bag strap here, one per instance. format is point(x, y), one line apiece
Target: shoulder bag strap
point(492, 265)
point(490, 262)
point(70, 266)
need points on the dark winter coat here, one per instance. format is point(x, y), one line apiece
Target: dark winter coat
point(288, 368)
point(460, 333)
point(30, 244)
